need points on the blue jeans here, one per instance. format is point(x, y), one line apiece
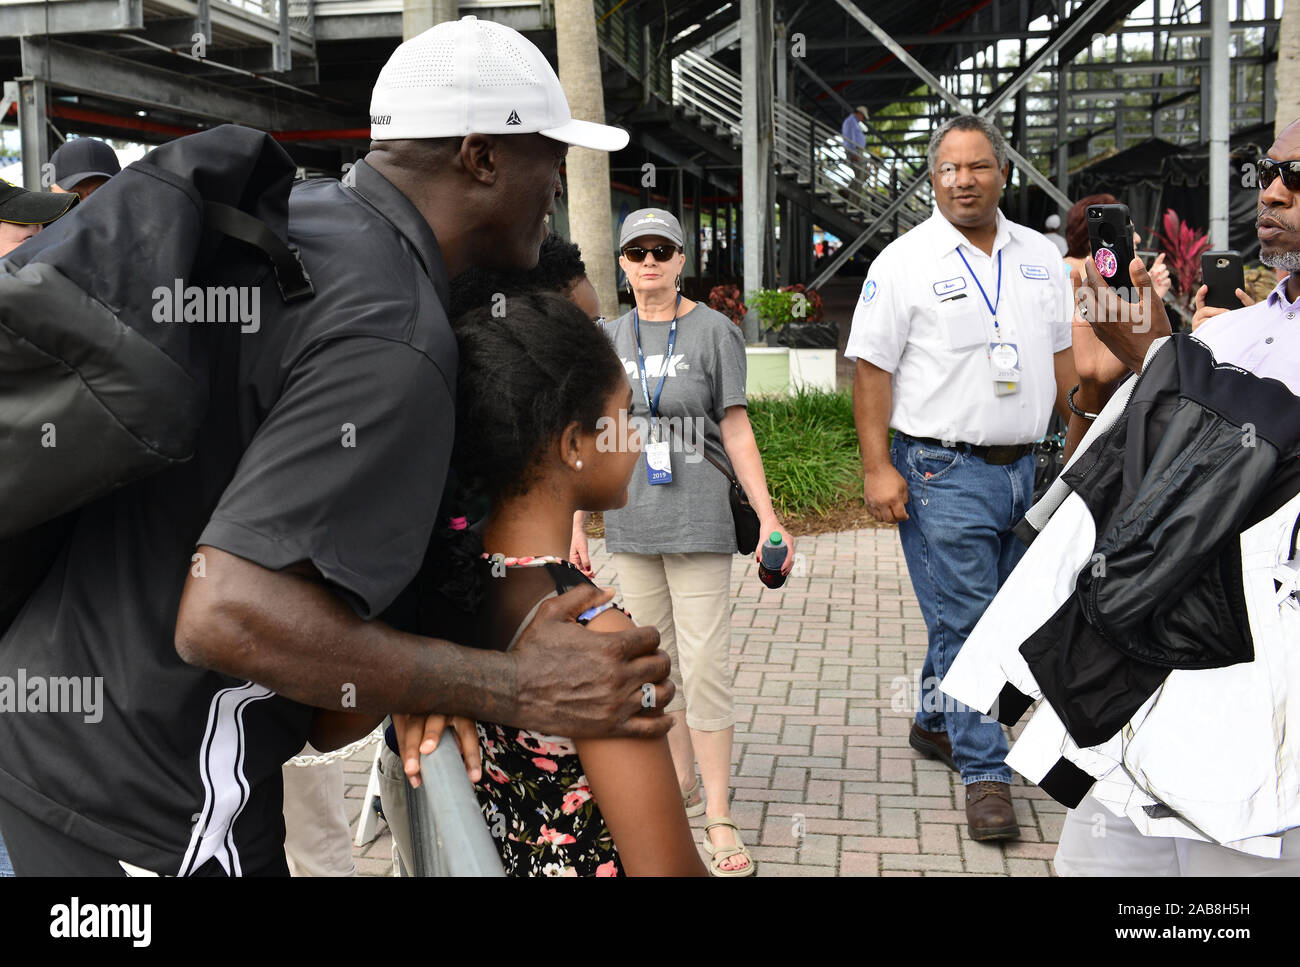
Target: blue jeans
point(6, 868)
point(959, 549)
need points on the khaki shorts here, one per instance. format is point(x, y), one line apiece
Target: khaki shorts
point(688, 598)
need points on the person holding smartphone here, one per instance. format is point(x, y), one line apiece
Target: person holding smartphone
point(1111, 340)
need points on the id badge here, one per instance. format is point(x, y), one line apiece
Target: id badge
point(658, 463)
point(1004, 360)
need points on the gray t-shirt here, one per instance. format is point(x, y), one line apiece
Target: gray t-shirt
point(705, 376)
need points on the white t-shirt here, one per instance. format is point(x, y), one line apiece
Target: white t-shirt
point(922, 317)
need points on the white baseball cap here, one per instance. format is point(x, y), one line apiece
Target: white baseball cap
point(472, 76)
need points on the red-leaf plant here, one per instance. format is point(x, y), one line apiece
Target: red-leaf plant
point(1183, 246)
point(727, 300)
point(814, 307)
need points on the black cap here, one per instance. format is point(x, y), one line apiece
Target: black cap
point(83, 158)
point(23, 207)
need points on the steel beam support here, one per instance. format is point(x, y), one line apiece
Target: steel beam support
point(70, 17)
point(33, 127)
point(652, 143)
point(949, 38)
point(1062, 116)
point(756, 145)
point(203, 22)
point(1217, 97)
point(1021, 78)
point(92, 72)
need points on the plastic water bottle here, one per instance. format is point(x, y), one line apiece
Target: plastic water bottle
point(771, 560)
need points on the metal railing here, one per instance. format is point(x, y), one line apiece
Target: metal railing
point(803, 149)
point(621, 35)
point(448, 834)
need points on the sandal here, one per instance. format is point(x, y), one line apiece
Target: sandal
point(719, 853)
point(692, 800)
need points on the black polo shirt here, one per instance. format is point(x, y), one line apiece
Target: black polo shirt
point(327, 440)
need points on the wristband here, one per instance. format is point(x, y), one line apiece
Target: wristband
point(1069, 401)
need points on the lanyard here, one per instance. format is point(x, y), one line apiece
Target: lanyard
point(640, 362)
point(993, 306)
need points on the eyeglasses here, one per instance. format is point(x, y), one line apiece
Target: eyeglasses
point(662, 253)
point(1270, 169)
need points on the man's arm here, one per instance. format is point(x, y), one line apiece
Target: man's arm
point(1066, 377)
point(288, 631)
point(884, 490)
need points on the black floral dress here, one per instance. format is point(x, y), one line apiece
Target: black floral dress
point(534, 792)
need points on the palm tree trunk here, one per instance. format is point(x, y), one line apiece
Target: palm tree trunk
point(590, 219)
point(1288, 68)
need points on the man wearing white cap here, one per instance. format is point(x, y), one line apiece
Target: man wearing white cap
point(307, 510)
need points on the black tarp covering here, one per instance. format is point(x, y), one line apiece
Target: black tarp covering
point(1156, 175)
point(1135, 176)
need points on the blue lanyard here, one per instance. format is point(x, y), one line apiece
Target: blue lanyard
point(640, 362)
point(993, 306)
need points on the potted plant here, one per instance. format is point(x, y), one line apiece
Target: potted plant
point(774, 311)
point(807, 327)
point(792, 317)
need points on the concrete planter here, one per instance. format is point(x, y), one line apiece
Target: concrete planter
point(777, 370)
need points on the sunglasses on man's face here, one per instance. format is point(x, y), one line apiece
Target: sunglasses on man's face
point(662, 253)
point(1270, 169)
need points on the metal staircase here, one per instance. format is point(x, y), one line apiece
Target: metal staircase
point(804, 150)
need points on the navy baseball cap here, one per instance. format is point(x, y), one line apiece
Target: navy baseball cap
point(23, 207)
point(83, 158)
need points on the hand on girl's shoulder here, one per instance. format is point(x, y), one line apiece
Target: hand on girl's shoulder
point(611, 619)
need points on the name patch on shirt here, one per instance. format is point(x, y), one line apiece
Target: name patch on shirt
point(1035, 272)
point(949, 285)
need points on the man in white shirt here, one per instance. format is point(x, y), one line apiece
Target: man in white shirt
point(1111, 339)
point(962, 342)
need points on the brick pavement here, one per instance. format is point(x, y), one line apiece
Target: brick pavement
point(824, 781)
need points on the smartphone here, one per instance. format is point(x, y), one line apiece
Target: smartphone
point(1110, 232)
point(1223, 273)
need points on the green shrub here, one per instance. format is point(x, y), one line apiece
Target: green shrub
point(809, 448)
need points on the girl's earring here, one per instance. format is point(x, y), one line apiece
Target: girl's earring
point(578, 465)
point(678, 283)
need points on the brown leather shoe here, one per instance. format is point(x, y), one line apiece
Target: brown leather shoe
point(932, 745)
point(989, 814)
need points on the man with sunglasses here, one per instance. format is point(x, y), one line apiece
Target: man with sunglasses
point(1269, 173)
point(1111, 339)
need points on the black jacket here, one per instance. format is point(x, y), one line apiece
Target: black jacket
point(1201, 452)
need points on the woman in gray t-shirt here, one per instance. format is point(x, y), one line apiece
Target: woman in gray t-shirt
point(673, 541)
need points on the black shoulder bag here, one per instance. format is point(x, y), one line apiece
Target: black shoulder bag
point(743, 514)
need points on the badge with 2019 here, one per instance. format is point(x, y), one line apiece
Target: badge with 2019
point(658, 463)
point(1004, 360)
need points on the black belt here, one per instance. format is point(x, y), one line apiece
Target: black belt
point(998, 456)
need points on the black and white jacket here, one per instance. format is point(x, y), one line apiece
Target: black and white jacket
point(1148, 610)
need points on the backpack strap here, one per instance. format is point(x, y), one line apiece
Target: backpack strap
point(290, 273)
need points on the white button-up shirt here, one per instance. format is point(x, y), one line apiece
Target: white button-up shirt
point(921, 316)
point(1263, 339)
